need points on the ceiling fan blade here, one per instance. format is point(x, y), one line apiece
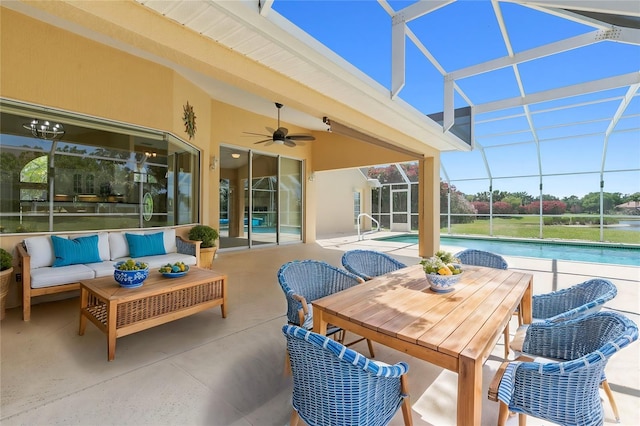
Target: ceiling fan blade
point(279, 135)
point(301, 137)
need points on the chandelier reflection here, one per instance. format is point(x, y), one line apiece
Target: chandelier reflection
point(45, 129)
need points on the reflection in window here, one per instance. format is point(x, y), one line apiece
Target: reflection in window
point(33, 179)
point(77, 183)
point(35, 171)
point(89, 188)
point(106, 175)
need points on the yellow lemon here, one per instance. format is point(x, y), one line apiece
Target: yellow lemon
point(444, 271)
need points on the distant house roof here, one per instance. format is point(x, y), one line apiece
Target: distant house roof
point(629, 205)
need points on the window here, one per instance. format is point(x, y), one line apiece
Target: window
point(357, 207)
point(96, 175)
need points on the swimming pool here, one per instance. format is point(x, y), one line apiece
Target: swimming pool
point(594, 253)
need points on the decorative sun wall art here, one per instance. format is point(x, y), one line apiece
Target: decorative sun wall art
point(189, 119)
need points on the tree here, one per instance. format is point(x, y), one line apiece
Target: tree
point(574, 204)
point(388, 174)
point(496, 195)
point(500, 207)
point(481, 196)
point(411, 170)
point(591, 202)
point(459, 205)
point(524, 196)
point(631, 197)
point(513, 200)
point(548, 207)
point(482, 207)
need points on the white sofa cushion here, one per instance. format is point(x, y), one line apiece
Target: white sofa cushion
point(118, 245)
point(170, 240)
point(155, 262)
point(102, 269)
point(48, 276)
point(41, 251)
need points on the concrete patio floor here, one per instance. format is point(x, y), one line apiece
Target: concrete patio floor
point(205, 370)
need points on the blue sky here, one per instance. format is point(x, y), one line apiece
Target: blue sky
point(466, 32)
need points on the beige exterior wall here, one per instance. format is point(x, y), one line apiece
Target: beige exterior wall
point(335, 205)
point(46, 65)
point(332, 151)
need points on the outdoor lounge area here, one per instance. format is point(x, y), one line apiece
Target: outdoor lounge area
point(206, 370)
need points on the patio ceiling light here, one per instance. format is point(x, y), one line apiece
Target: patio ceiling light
point(44, 130)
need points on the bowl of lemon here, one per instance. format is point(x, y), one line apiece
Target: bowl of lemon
point(178, 269)
point(130, 274)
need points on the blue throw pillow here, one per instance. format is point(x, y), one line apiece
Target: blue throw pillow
point(75, 251)
point(145, 245)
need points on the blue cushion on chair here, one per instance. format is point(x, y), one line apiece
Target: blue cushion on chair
point(75, 251)
point(145, 245)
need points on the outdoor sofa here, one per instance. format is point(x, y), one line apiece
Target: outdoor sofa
point(53, 264)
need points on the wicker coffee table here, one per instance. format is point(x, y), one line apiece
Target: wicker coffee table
point(119, 311)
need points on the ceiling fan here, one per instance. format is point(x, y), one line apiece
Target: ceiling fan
point(281, 135)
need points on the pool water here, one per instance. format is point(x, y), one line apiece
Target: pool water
point(545, 250)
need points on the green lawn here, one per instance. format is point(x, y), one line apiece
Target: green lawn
point(528, 227)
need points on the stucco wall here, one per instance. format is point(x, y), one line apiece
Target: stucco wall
point(335, 206)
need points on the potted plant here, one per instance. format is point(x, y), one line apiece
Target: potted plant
point(208, 248)
point(442, 270)
point(6, 269)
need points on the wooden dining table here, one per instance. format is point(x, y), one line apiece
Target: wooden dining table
point(456, 330)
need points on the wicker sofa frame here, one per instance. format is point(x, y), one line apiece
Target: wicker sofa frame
point(29, 293)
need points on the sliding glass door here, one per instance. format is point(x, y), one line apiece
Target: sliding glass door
point(260, 199)
point(263, 221)
point(234, 208)
point(291, 201)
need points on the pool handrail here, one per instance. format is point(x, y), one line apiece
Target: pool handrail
point(362, 234)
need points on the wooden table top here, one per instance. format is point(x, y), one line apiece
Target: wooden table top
point(108, 288)
point(467, 321)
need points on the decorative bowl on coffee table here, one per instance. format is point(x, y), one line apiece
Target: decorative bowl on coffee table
point(176, 274)
point(130, 278)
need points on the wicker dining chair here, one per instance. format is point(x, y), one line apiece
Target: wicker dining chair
point(489, 260)
point(337, 386)
point(577, 300)
point(304, 281)
point(368, 264)
point(562, 387)
point(482, 258)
